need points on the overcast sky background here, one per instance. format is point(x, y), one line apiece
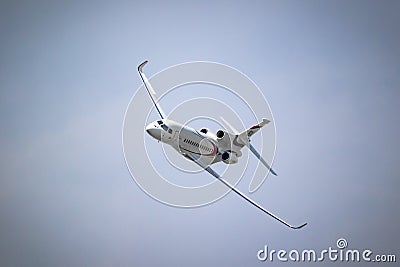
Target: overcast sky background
point(329, 69)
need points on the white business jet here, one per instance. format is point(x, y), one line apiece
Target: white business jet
point(205, 148)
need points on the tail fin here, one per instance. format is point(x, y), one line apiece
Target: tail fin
point(245, 136)
point(244, 139)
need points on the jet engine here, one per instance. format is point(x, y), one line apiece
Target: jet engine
point(229, 157)
point(221, 134)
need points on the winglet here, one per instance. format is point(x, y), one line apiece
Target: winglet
point(298, 227)
point(216, 175)
point(140, 67)
point(150, 90)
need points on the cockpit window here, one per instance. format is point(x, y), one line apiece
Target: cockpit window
point(164, 127)
point(160, 122)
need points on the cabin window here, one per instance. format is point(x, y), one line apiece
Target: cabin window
point(170, 131)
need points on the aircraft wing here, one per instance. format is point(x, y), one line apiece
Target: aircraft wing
point(216, 175)
point(150, 90)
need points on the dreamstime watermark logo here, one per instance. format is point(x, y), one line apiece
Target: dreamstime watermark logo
point(232, 95)
point(339, 254)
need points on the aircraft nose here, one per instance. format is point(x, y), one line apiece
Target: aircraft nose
point(154, 132)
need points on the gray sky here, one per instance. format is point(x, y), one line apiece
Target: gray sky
point(329, 69)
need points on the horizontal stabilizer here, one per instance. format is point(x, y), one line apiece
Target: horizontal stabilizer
point(255, 152)
point(244, 139)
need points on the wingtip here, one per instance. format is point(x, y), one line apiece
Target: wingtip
point(299, 227)
point(142, 65)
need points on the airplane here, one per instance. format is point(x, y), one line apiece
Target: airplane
point(205, 148)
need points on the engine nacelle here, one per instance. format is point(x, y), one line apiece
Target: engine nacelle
point(204, 130)
point(221, 134)
point(229, 157)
